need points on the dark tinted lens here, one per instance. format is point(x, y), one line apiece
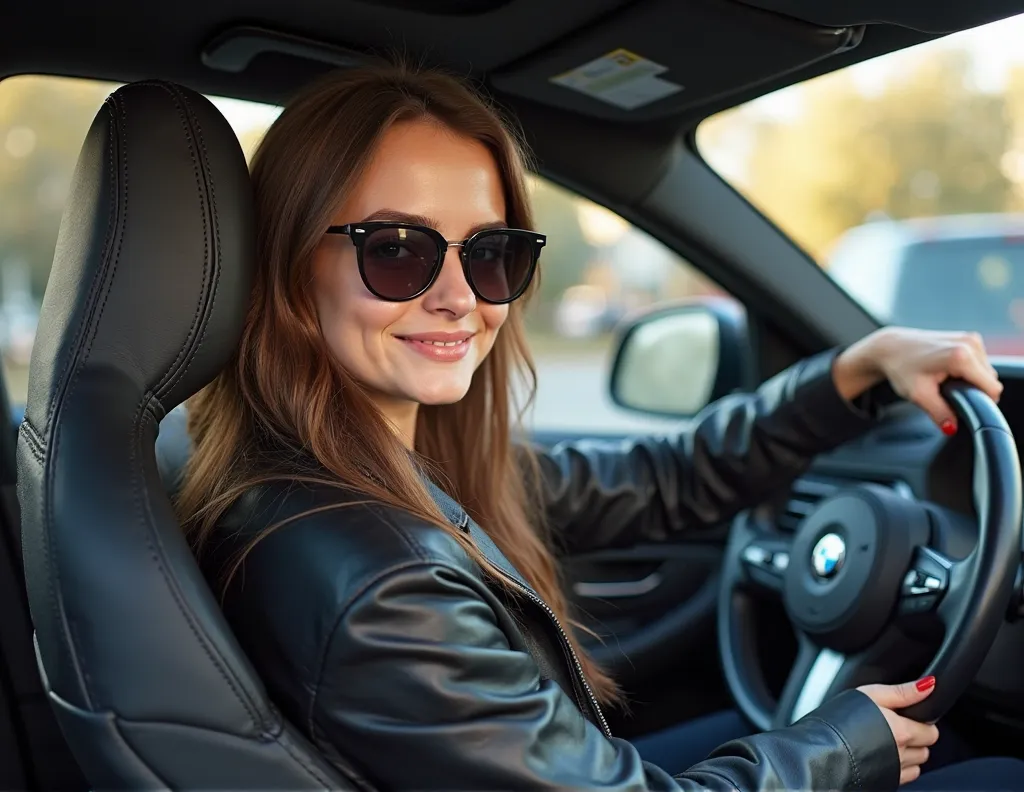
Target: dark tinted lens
point(398, 262)
point(500, 265)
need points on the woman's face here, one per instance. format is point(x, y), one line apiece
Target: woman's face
point(425, 174)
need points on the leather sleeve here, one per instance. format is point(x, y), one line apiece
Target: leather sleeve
point(420, 686)
point(736, 453)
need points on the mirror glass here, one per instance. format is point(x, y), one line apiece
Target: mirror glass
point(669, 362)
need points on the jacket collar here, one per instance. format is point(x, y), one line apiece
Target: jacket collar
point(458, 517)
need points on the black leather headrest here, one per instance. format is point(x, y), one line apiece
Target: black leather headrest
point(160, 214)
point(145, 302)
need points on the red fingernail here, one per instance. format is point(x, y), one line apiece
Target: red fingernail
point(926, 684)
point(948, 428)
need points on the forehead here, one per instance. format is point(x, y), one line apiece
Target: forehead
point(421, 167)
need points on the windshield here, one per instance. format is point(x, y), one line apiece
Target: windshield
point(849, 164)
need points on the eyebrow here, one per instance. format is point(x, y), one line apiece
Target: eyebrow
point(394, 216)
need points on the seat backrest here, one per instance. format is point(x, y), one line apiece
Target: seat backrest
point(145, 302)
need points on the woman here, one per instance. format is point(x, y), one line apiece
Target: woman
point(387, 553)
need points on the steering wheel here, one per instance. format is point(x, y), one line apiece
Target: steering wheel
point(873, 581)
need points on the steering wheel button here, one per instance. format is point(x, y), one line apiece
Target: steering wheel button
point(780, 561)
point(756, 555)
point(917, 604)
point(932, 583)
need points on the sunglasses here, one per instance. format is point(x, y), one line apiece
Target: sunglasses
point(400, 261)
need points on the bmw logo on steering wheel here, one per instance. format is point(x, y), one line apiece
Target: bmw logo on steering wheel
point(828, 555)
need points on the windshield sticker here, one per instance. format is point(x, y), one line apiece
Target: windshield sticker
point(621, 78)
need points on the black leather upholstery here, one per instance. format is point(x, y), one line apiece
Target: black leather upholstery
point(145, 302)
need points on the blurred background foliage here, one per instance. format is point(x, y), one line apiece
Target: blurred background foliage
point(926, 141)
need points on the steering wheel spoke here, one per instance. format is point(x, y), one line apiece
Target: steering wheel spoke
point(813, 675)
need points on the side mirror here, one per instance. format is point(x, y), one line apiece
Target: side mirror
point(675, 360)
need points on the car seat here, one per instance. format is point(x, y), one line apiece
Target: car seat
point(145, 303)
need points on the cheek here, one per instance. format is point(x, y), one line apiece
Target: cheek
point(375, 317)
point(350, 317)
point(494, 316)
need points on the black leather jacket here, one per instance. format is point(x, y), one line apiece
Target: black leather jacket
point(378, 636)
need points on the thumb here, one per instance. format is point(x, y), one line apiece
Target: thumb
point(896, 697)
point(927, 396)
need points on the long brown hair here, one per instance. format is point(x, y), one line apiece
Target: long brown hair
point(284, 390)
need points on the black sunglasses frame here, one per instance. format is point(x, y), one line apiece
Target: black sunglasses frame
point(360, 232)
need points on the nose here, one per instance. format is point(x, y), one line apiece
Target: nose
point(450, 293)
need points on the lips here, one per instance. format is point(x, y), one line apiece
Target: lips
point(440, 347)
point(437, 343)
point(438, 338)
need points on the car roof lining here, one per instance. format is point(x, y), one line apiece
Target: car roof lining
point(511, 43)
point(723, 52)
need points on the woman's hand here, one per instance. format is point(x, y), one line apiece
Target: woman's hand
point(916, 362)
point(913, 739)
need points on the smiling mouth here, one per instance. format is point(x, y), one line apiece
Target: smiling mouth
point(449, 349)
point(438, 343)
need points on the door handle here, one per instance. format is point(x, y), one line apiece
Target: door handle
point(613, 589)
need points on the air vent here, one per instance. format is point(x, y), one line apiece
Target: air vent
point(809, 491)
point(805, 495)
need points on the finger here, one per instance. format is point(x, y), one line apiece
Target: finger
point(899, 696)
point(925, 394)
point(919, 735)
point(910, 774)
point(967, 364)
point(914, 756)
point(977, 342)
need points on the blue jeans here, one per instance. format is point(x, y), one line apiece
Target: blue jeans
point(950, 769)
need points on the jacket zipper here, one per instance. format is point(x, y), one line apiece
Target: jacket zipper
point(463, 524)
point(566, 644)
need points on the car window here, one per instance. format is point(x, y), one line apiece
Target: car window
point(595, 269)
point(902, 176)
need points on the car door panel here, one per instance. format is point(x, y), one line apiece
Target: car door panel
point(651, 609)
point(646, 604)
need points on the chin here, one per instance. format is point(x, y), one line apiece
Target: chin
point(440, 393)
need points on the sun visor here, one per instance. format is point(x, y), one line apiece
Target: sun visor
point(913, 14)
point(660, 57)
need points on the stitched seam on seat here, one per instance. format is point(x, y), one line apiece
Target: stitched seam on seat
point(183, 351)
point(126, 744)
point(212, 259)
point(152, 541)
point(32, 439)
point(136, 423)
point(97, 281)
point(853, 759)
point(120, 721)
point(90, 328)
